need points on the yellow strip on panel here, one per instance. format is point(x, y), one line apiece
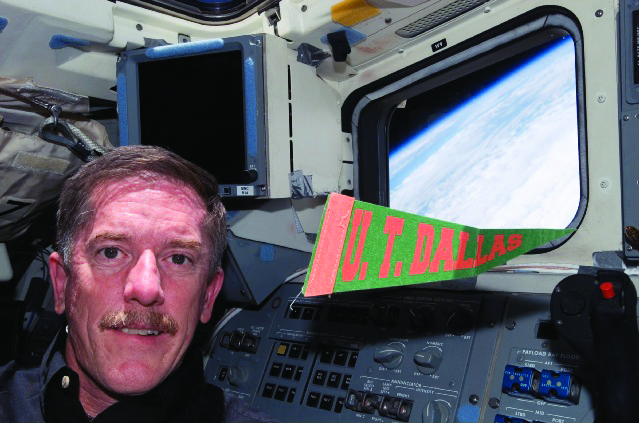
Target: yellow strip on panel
point(352, 12)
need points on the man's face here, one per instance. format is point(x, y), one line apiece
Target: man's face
point(141, 268)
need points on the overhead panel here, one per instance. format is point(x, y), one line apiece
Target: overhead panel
point(438, 17)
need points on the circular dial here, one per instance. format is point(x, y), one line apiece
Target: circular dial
point(390, 356)
point(461, 321)
point(422, 318)
point(428, 360)
point(436, 411)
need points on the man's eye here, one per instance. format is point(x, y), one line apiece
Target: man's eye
point(110, 252)
point(179, 259)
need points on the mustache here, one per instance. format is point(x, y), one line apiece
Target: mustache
point(149, 319)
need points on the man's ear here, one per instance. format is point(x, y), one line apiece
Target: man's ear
point(213, 288)
point(59, 279)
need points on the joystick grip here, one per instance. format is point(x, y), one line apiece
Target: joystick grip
point(597, 315)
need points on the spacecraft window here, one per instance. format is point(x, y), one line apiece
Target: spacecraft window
point(497, 147)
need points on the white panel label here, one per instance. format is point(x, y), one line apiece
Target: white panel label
point(246, 190)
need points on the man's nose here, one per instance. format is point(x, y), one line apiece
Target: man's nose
point(143, 282)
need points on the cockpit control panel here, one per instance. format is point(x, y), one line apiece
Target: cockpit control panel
point(416, 355)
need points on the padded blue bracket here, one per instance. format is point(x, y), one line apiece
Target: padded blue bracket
point(122, 110)
point(184, 49)
point(61, 41)
point(250, 107)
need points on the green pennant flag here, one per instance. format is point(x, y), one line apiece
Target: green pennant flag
point(365, 246)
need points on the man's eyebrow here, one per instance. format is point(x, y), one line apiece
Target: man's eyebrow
point(186, 244)
point(107, 236)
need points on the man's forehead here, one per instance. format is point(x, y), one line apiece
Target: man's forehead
point(143, 195)
point(146, 189)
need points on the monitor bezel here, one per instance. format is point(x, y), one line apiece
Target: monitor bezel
point(252, 50)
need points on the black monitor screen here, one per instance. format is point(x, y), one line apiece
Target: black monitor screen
point(194, 106)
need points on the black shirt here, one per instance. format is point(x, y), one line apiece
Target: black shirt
point(39, 395)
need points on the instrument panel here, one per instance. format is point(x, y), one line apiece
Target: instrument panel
point(411, 355)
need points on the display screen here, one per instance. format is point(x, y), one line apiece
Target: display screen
point(194, 106)
point(498, 147)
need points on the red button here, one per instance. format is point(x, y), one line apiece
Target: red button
point(607, 290)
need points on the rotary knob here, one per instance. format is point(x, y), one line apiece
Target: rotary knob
point(421, 318)
point(428, 360)
point(238, 375)
point(390, 356)
point(461, 321)
point(436, 411)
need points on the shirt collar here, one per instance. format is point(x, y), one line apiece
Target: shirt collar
point(52, 361)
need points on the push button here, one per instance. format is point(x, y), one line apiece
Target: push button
point(280, 393)
point(298, 373)
point(340, 358)
point(268, 391)
point(276, 369)
point(353, 359)
point(333, 380)
point(295, 313)
point(327, 402)
point(320, 377)
point(305, 352)
point(346, 382)
point(308, 314)
point(295, 351)
point(326, 355)
point(607, 290)
point(313, 399)
point(287, 372)
point(281, 350)
point(291, 395)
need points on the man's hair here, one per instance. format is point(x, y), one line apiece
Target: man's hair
point(149, 163)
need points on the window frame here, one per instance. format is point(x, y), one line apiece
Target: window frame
point(372, 113)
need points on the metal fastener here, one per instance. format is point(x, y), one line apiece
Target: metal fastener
point(510, 325)
point(138, 27)
point(599, 13)
point(493, 402)
point(604, 183)
point(626, 117)
point(304, 8)
point(388, 20)
point(473, 399)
